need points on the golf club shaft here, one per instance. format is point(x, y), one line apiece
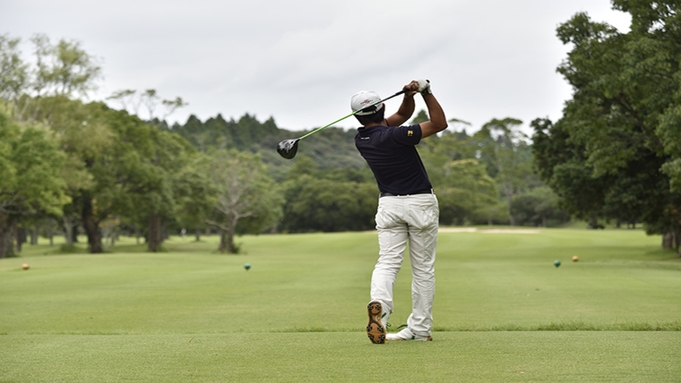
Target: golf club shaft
point(352, 114)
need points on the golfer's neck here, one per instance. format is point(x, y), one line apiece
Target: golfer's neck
point(372, 124)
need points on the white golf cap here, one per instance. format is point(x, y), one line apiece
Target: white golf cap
point(364, 98)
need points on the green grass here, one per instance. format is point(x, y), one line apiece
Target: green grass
point(503, 312)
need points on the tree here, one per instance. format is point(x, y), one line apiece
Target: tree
point(466, 193)
point(538, 207)
point(64, 69)
point(195, 194)
point(14, 73)
point(315, 204)
point(30, 177)
point(437, 153)
point(119, 168)
point(243, 190)
point(83, 134)
point(561, 163)
point(132, 101)
point(623, 117)
point(147, 161)
point(505, 151)
point(43, 90)
point(60, 70)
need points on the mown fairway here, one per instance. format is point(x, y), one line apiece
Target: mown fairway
point(503, 312)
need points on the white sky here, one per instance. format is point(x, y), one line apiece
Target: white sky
point(300, 61)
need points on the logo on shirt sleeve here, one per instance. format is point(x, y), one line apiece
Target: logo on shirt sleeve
point(410, 133)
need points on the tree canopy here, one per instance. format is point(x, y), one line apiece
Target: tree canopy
point(615, 153)
point(31, 181)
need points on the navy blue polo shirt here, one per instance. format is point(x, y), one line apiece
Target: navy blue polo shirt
point(392, 157)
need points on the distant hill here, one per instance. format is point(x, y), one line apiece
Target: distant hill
point(330, 148)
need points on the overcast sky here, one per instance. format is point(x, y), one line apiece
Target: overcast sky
point(300, 61)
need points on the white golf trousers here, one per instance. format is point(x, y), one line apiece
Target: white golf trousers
point(403, 220)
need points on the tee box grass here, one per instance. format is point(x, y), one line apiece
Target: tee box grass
point(503, 312)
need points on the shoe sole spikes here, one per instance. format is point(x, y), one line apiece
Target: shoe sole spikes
point(375, 329)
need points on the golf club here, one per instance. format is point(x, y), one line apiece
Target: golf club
point(289, 148)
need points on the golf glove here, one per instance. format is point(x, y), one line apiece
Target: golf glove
point(424, 87)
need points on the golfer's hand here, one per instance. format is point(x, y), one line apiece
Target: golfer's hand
point(424, 87)
point(412, 88)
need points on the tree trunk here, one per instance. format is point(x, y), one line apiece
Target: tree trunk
point(49, 230)
point(70, 232)
point(198, 234)
point(137, 233)
point(671, 240)
point(230, 242)
point(6, 237)
point(223, 241)
point(70, 229)
point(6, 243)
point(155, 234)
point(593, 224)
point(20, 237)
point(68, 237)
point(668, 241)
point(227, 242)
point(226, 233)
point(74, 233)
point(94, 236)
point(509, 200)
point(34, 234)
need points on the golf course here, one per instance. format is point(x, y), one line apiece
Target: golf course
point(503, 311)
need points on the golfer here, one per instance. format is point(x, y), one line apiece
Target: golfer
point(408, 210)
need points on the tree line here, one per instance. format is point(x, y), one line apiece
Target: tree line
point(106, 172)
point(69, 166)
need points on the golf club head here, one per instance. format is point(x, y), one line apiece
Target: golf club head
point(288, 148)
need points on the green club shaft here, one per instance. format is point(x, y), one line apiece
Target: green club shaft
point(351, 114)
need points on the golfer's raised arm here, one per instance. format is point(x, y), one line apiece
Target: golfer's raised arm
point(406, 108)
point(438, 121)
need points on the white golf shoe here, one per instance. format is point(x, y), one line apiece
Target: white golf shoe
point(406, 334)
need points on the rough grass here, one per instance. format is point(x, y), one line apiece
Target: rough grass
point(503, 312)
